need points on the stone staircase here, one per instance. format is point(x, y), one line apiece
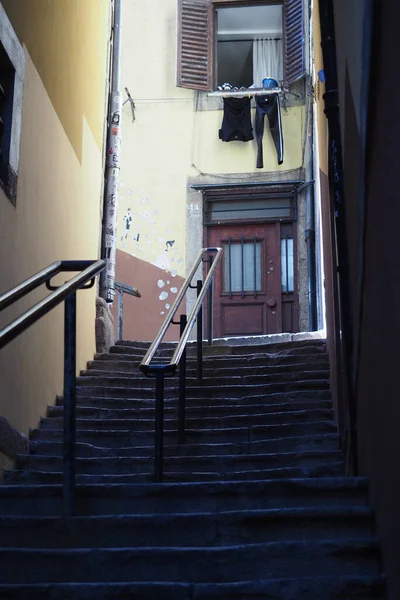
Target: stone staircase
point(254, 506)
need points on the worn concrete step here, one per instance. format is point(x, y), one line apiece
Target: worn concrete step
point(192, 411)
point(210, 362)
point(117, 437)
point(110, 401)
point(301, 588)
point(217, 422)
point(322, 442)
point(46, 500)
point(128, 366)
point(201, 565)
point(221, 464)
point(195, 529)
point(293, 348)
point(110, 380)
point(138, 381)
point(37, 477)
point(228, 391)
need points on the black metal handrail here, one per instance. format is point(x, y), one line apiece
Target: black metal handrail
point(89, 269)
point(160, 370)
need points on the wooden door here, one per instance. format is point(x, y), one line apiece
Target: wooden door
point(252, 294)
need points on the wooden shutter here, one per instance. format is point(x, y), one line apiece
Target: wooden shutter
point(294, 41)
point(195, 44)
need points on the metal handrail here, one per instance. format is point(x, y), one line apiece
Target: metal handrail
point(67, 293)
point(145, 364)
point(123, 288)
point(159, 371)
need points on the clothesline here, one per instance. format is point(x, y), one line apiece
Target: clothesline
point(247, 92)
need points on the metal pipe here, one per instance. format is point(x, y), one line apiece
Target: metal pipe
point(210, 310)
point(120, 312)
point(222, 186)
point(199, 337)
point(181, 294)
point(109, 230)
point(69, 466)
point(310, 221)
point(30, 284)
point(182, 386)
point(159, 427)
point(11, 331)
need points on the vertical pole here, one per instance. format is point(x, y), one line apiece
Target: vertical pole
point(199, 337)
point(182, 388)
point(69, 406)
point(159, 428)
point(109, 229)
point(120, 312)
point(210, 311)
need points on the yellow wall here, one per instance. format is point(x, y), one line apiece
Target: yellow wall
point(59, 188)
point(170, 141)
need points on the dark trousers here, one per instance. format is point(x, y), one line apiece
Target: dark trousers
point(269, 105)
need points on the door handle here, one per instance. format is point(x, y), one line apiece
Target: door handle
point(271, 302)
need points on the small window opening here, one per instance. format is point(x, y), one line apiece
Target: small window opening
point(7, 77)
point(249, 45)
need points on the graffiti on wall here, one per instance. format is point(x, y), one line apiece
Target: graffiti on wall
point(145, 234)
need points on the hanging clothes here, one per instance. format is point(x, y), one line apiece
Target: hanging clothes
point(268, 105)
point(236, 122)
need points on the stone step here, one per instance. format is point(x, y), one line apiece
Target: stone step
point(115, 401)
point(120, 437)
point(322, 442)
point(46, 500)
point(36, 477)
point(201, 565)
point(221, 409)
point(123, 380)
point(219, 464)
point(93, 388)
point(108, 380)
point(123, 421)
point(301, 588)
point(128, 366)
point(195, 529)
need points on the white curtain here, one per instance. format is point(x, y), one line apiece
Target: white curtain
point(267, 60)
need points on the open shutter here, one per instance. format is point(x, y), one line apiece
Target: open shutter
point(195, 44)
point(294, 41)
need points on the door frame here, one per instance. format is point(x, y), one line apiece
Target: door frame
point(271, 191)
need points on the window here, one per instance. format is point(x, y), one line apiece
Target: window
point(239, 42)
point(287, 265)
point(242, 266)
point(7, 76)
point(12, 74)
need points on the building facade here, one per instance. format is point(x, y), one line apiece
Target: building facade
point(54, 98)
point(184, 188)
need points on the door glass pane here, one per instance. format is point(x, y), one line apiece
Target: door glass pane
point(242, 267)
point(287, 264)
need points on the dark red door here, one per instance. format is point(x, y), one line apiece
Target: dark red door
point(254, 286)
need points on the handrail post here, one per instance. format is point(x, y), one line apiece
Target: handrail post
point(199, 337)
point(69, 405)
point(159, 428)
point(182, 387)
point(120, 312)
point(210, 308)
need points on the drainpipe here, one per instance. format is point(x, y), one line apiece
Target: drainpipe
point(110, 206)
point(340, 235)
point(310, 222)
